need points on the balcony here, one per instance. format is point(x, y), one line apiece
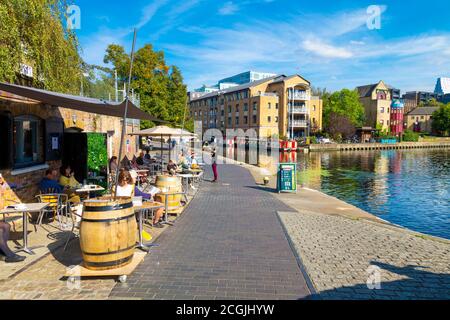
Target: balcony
point(298, 110)
point(299, 95)
point(265, 94)
point(299, 124)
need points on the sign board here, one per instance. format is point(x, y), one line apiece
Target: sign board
point(287, 177)
point(26, 70)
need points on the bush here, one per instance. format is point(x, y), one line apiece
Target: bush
point(313, 140)
point(410, 136)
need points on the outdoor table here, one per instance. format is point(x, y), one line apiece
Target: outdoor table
point(185, 178)
point(166, 204)
point(150, 205)
point(89, 189)
point(29, 208)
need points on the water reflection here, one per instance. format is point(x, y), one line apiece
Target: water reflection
point(406, 187)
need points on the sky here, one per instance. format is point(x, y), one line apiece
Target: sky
point(334, 44)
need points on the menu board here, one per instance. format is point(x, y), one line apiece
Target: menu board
point(287, 177)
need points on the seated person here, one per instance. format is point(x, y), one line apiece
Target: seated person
point(68, 181)
point(194, 162)
point(172, 168)
point(49, 183)
point(147, 157)
point(5, 251)
point(127, 188)
point(183, 162)
point(140, 159)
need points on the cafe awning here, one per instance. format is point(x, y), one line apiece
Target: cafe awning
point(163, 131)
point(91, 105)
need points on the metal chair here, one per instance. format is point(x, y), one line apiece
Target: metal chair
point(59, 206)
point(73, 216)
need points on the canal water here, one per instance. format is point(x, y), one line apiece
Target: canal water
point(410, 188)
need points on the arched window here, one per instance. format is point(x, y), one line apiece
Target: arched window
point(28, 139)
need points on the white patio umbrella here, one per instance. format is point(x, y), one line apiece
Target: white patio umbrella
point(163, 131)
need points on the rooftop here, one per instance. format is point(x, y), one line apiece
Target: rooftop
point(273, 79)
point(423, 111)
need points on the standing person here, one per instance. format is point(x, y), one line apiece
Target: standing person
point(113, 165)
point(214, 165)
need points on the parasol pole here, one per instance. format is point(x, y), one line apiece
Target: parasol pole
point(162, 162)
point(124, 124)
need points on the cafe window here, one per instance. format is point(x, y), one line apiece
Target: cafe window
point(28, 139)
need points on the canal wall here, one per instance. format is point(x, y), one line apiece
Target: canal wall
point(377, 146)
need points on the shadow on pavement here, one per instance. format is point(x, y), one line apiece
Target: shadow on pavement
point(419, 284)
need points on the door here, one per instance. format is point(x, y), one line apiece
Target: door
point(75, 154)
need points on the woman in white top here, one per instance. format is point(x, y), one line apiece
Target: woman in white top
point(126, 188)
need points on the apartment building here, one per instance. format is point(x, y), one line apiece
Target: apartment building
point(274, 106)
point(377, 100)
point(413, 99)
point(421, 119)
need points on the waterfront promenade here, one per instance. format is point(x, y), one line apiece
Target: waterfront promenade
point(229, 244)
point(240, 240)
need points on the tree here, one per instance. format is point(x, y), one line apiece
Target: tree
point(345, 103)
point(161, 88)
point(441, 120)
point(341, 127)
point(32, 32)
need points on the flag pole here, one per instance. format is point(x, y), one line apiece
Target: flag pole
point(124, 124)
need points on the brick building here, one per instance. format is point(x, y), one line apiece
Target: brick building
point(37, 133)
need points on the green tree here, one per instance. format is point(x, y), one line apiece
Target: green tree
point(344, 103)
point(161, 88)
point(441, 120)
point(33, 32)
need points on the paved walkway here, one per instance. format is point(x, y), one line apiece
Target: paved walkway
point(342, 254)
point(229, 244)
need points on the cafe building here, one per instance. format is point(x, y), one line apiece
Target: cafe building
point(41, 129)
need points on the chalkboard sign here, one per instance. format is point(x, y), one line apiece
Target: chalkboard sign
point(287, 177)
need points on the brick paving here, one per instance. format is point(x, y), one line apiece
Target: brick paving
point(229, 244)
point(338, 251)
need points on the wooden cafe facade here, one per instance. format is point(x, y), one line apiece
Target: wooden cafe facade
point(41, 129)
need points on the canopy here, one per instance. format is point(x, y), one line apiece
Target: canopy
point(85, 104)
point(163, 131)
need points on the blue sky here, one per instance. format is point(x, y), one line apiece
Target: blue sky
point(326, 41)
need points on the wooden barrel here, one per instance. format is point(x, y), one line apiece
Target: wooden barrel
point(169, 184)
point(108, 233)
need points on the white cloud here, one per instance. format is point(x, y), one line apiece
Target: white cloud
point(228, 8)
point(326, 50)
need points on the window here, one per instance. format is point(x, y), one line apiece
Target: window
point(229, 109)
point(245, 106)
point(276, 106)
point(237, 108)
point(314, 107)
point(28, 140)
point(382, 122)
point(254, 119)
point(276, 119)
point(245, 119)
point(237, 120)
point(382, 110)
point(270, 105)
point(422, 117)
point(269, 119)
point(229, 121)
point(255, 106)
